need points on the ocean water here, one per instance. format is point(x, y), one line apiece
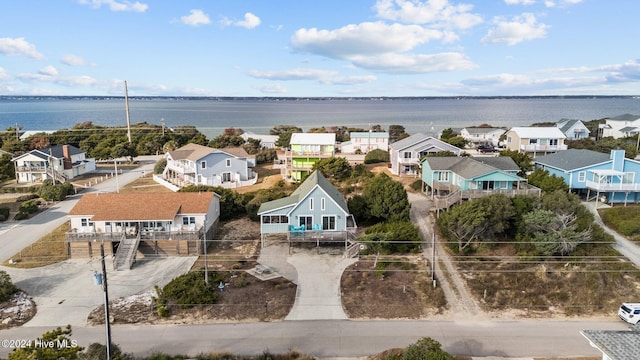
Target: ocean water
point(211, 116)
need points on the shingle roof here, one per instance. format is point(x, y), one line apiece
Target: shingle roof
point(483, 130)
point(191, 152)
point(314, 179)
point(58, 152)
point(195, 152)
point(617, 345)
point(141, 206)
point(566, 124)
point(504, 163)
point(625, 117)
point(466, 167)
point(572, 159)
point(629, 129)
point(373, 135)
point(418, 138)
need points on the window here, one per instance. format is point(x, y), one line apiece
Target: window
point(627, 178)
point(443, 176)
point(226, 177)
point(188, 220)
point(228, 162)
point(275, 219)
point(328, 223)
point(509, 139)
point(86, 222)
point(553, 142)
point(306, 221)
point(582, 176)
point(311, 204)
point(533, 141)
point(407, 155)
point(203, 164)
point(322, 204)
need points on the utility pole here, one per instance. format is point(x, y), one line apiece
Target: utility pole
point(115, 164)
point(106, 302)
point(126, 106)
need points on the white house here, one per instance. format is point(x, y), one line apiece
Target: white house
point(267, 141)
point(620, 126)
point(195, 164)
point(405, 154)
point(573, 129)
point(365, 142)
point(60, 163)
point(482, 135)
point(535, 140)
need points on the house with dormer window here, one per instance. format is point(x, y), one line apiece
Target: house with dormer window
point(60, 163)
point(315, 212)
point(405, 155)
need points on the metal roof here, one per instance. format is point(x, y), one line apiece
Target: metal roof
point(572, 159)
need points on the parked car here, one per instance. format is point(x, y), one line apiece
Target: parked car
point(486, 148)
point(630, 312)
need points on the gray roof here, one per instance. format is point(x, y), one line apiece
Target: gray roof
point(504, 163)
point(617, 345)
point(483, 130)
point(314, 179)
point(566, 124)
point(466, 167)
point(572, 159)
point(629, 129)
point(418, 138)
point(625, 117)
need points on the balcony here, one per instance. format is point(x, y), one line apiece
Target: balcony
point(40, 169)
point(610, 186)
point(543, 148)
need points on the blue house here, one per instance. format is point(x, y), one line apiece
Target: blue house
point(316, 211)
point(608, 178)
point(449, 180)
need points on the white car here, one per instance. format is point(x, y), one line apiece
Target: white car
point(630, 312)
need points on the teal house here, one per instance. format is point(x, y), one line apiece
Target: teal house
point(315, 211)
point(449, 180)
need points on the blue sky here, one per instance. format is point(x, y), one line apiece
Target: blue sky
point(319, 48)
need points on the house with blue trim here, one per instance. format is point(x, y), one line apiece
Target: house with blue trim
point(610, 178)
point(315, 212)
point(573, 129)
point(449, 180)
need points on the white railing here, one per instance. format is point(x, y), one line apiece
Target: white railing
point(412, 160)
point(539, 147)
point(612, 186)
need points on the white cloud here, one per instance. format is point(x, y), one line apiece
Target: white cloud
point(414, 64)
point(436, 12)
point(3, 74)
point(73, 60)
point(561, 3)
point(519, 29)
point(117, 5)
point(250, 21)
point(48, 71)
point(367, 38)
point(294, 74)
point(519, 2)
point(196, 17)
point(19, 46)
point(271, 89)
point(350, 80)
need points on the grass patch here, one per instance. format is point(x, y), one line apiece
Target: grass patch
point(624, 220)
point(48, 250)
point(573, 285)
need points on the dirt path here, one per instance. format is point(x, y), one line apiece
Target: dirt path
point(459, 299)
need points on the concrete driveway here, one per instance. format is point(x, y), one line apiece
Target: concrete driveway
point(65, 293)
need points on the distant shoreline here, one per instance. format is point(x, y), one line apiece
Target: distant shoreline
point(311, 98)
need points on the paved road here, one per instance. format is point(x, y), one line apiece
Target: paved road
point(345, 338)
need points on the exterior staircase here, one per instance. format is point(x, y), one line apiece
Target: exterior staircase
point(126, 253)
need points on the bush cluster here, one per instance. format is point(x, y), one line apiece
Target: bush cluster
point(187, 291)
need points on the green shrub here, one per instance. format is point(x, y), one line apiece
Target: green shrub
point(27, 197)
point(190, 289)
point(426, 349)
point(160, 165)
point(4, 212)
point(7, 288)
point(21, 216)
point(376, 156)
point(29, 207)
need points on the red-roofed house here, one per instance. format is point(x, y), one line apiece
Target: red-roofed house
point(165, 223)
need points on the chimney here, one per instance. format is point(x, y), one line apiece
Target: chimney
point(67, 157)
